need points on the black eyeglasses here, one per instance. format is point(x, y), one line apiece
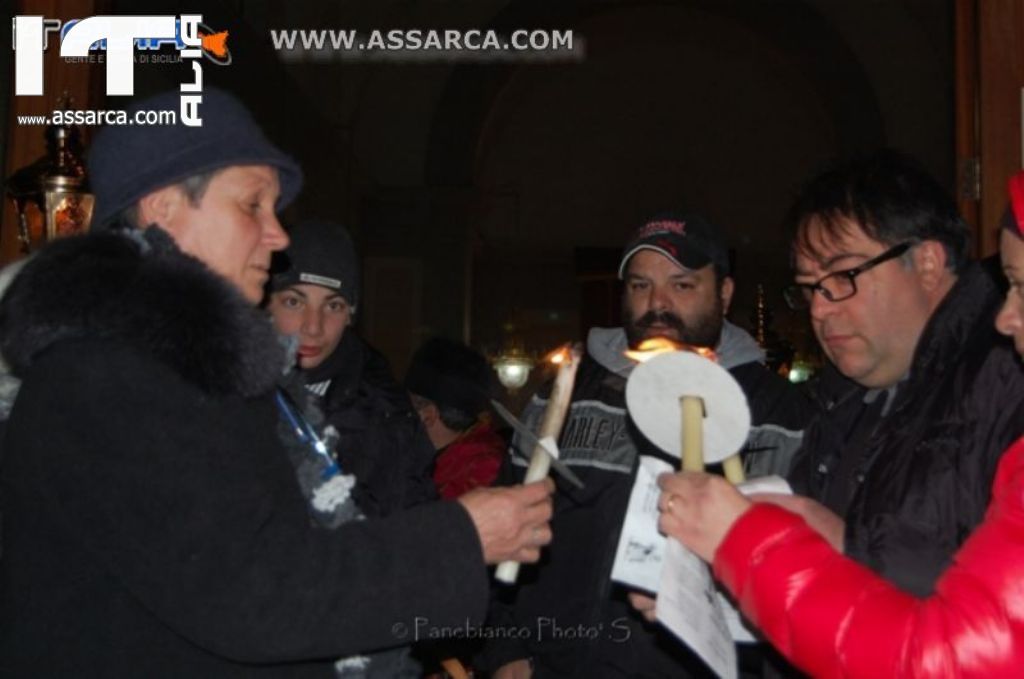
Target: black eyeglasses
point(838, 285)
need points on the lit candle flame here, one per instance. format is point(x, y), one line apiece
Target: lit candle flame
point(650, 348)
point(706, 352)
point(559, 355)
point(654, 346)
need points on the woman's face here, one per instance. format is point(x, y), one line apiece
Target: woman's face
point(233, 229)
point(1010, 320)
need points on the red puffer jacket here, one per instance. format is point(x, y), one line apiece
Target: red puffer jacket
point(835, 618)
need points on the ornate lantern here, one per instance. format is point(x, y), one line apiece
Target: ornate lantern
point(55, 185)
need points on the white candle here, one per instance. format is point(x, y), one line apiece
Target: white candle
point(692, 411)
point(550, 426)
point(733, 468)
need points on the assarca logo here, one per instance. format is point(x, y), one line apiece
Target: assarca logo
point(120, 34)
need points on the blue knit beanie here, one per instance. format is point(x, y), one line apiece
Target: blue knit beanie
point(128, 162)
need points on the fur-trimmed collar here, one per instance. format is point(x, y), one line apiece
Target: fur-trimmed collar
point(138, 288)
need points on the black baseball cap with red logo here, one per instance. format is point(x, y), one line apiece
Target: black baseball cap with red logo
point(687, 239)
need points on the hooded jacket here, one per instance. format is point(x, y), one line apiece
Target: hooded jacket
point(567, 615)
point(922, 477)
point(153, 526)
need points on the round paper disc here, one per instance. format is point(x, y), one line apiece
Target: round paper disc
point(652, 396)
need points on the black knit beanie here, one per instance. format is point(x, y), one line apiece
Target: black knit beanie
point(321, 253)
point(451, 374)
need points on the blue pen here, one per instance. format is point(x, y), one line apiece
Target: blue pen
point(304, 431)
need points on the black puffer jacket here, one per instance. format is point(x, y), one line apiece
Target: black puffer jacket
point(923, 479)
point(153, 526)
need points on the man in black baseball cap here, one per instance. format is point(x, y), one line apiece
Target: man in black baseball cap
point(676, 270)
point(688, 239)
point(677, 286)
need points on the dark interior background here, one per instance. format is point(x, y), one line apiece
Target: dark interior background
point(490, 200)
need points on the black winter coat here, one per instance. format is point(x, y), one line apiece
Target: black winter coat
point(924, 478)
point(153, 526)
point(381, 440)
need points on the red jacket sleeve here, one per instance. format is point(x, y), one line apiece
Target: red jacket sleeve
point(835, 618)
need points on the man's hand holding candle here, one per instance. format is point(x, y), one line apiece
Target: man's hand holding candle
point(698, 509)
point(512, 523)
point(568, 361)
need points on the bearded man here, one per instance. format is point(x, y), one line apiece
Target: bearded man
point(677, 286)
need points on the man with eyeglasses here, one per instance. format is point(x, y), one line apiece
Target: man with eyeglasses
point(907, 447)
